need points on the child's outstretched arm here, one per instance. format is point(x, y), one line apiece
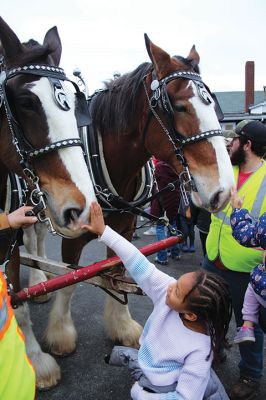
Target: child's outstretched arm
point(149, 278)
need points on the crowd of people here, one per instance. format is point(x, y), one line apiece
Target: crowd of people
point(187, 329)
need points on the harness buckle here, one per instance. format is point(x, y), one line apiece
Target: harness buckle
point(30, 174)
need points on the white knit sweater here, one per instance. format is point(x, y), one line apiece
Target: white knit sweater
point(169, 352)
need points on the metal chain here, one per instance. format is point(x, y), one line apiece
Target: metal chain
point(179, 154)
point(159, 119)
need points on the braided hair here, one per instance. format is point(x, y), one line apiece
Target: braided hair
point(210, 299)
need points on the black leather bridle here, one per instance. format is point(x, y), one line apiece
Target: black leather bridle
point(24, 148)
point(159, 99)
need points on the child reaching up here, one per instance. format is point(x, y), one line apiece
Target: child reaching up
point(188, 324)
point(250, 233)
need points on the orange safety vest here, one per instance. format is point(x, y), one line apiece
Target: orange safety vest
point(17, 377)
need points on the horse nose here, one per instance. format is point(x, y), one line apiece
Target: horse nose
point(71, 215)
point(215, 199)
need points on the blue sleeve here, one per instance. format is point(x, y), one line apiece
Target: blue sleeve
point(246, 230)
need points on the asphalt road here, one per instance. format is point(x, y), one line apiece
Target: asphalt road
point(85, 376)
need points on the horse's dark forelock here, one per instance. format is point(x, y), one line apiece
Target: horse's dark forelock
point(189, 63)
point(33, 52)
point(115, 109)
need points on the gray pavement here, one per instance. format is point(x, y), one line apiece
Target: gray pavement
point(85, 376)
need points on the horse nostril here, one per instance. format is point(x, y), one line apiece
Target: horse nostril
point(214, 202)
point(71, 215)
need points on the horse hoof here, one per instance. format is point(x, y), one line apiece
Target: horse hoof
point(62, 355)
point(58, 350)
point(47, 371)
point(41, 388)
point(60, 337)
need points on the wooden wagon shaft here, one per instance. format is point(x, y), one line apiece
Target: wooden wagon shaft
point(60, 268)
point(83, 273)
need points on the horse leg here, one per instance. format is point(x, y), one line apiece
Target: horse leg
point(119, 323)
point(61, 335)
point(34, 242)
point(46, 368)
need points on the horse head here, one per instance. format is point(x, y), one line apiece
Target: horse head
point(39, 130)
point(184, 113)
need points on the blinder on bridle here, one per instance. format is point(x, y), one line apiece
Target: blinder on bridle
point(60, 96)
point(23, 147)
point(55, 75)
point(161, 99)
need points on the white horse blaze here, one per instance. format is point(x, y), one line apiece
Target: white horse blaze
point(62, 125)
point(208, 121)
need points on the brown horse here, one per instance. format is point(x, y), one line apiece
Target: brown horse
point(163, 109)
point(39, 140)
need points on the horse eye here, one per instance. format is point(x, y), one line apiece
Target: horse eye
point(180, 108)
point(27, 102)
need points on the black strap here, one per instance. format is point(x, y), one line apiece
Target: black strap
point(148, 390)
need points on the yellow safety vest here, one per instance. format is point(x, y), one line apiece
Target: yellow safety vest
point(17, 377)
point(220, 241)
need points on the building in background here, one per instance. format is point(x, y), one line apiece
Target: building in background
point(239, 105)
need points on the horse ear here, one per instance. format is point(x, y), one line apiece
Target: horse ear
point(159, 57)
point(10, 43)
point(147, 43)
point(52, 40)
point(194, 56)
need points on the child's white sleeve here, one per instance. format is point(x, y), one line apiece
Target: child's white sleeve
point(149, 278)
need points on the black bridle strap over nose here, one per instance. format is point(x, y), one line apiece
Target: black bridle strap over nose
point(60, 144)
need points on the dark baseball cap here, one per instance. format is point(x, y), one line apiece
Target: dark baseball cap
point(252, 130)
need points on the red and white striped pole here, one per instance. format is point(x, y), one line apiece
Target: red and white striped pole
point(87, 272)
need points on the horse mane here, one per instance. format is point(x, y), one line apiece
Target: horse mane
point(115, 108)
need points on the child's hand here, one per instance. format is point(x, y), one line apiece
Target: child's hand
point(236, 202)
point(17, 219)
point(97, 224)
